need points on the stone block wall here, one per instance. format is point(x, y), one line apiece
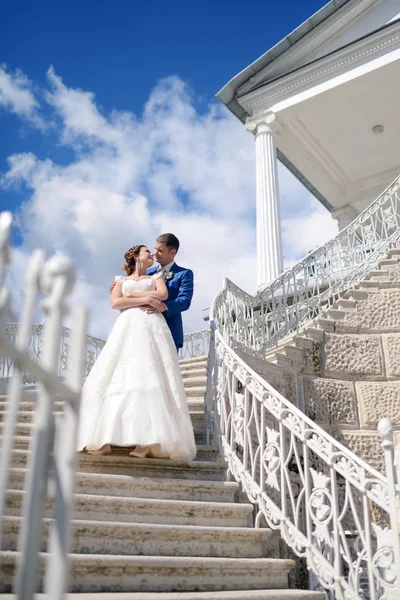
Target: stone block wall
point(350, 379)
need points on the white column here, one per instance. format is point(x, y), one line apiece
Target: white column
point(269, 239)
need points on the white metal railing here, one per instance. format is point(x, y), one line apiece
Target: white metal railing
point(194, 345)
point(35, 348)
point(52, 448)
point(305, 290)
point(330, 506)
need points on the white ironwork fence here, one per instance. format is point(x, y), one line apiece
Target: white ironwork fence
point(330, 506)
point(195, 344)
point(308, 288)
point(35, 347)
point(52, 450)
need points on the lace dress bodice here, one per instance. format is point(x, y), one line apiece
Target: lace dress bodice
point(143, 285)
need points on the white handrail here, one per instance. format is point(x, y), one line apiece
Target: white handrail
point(330, 506)
point(51, 463)
point(306, 290)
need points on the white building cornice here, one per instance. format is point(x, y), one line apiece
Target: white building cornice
point(341, 61)
point(313, 40)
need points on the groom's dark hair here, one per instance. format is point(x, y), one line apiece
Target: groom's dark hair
point(170, 240)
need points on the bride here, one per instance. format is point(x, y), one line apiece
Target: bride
point(134, 394)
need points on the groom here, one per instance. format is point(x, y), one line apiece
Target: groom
point(179, 282)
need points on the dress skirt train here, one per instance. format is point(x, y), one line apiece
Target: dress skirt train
point(134, 393)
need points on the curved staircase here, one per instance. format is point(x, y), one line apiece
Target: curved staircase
point(155, 529)
point(343, 370)
point(296, 380)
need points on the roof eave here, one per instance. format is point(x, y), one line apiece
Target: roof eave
point(227, 95)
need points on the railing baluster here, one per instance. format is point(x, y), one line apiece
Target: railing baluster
point(14, 391)
point(43, 436)
point(385, 431)
point(64, 459)
point(337, 533)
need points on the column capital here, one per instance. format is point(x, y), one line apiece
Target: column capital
point(344, 215)
point(261, 123)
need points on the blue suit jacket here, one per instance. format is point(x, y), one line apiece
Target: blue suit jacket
point(180, 292)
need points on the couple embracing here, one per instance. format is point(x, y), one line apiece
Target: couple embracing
point(134, 394)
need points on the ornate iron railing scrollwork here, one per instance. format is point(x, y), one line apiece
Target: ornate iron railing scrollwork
point(12, 331)
point(195, 344)
point(304, 291)
point(330, 506)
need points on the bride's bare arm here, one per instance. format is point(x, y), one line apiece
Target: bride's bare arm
point(120, 302)
point(160, 293)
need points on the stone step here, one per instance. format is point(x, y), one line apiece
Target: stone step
point(282, 360)
point(94, 507)
point(388, 262)
point(326, 324)
point(336, 314)
point(143, 487)
point(150, 467)
point(210, 453)
point(21, 429)
point(29, 406)
point(195, 382)
point(377, 275)
point(102, 573)
point(368, 284)
point(227, 595)
point(196, 403)
point(315, 334)
point(128, 465)
point(26, 416)
point(199, 366)
point(304, 343)
point(347, 304)
point(148, 539)
point(293, 352)
point(358, 295)
point(198, 372)
point(394, 253)
point(199, 428)
point(191, 361)
point(195, 391)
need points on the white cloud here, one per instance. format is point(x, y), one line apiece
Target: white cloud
point(16, 95)
point(305, 233)
point(174, 169)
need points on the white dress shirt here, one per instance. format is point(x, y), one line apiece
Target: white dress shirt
point(165, 269)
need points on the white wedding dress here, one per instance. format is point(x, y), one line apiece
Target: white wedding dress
point(134, 393)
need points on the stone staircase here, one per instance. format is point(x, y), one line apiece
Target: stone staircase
point(343, 370)
point(155, 529)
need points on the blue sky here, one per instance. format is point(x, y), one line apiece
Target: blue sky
point(123, 138)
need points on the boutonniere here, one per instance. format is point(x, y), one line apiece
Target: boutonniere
point(169, 276)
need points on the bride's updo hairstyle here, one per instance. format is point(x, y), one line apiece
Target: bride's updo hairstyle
point(131, 258)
